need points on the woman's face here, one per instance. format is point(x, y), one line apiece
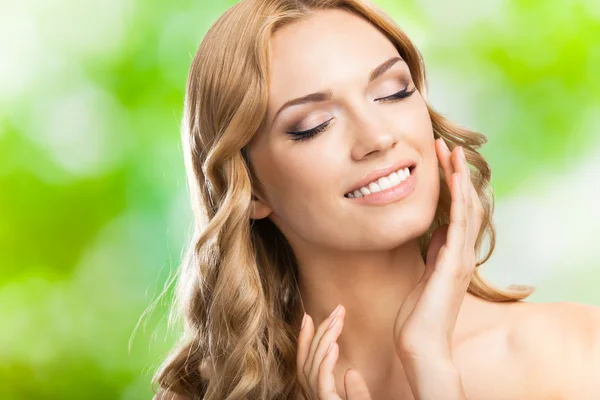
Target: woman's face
point(306, 178)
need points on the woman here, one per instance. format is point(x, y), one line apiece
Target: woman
point(320, 176)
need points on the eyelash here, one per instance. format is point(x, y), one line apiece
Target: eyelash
point(305, 135)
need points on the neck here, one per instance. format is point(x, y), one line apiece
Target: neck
point(372, 287)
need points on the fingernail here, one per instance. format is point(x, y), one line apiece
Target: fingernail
point(303, 321)
point(462, 153)
point(444, 144)
point(332, 322)
point(335, 311)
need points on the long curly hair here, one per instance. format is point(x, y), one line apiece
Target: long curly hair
point(237, 290)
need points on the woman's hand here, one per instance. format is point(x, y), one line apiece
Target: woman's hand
point(425, 323)
point(317, 355)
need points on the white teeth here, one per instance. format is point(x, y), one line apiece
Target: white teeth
point(403, 173)
point(394, 178)
point(374, 187)
point(383, 183)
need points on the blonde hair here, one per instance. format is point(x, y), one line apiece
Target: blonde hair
point(237, 289)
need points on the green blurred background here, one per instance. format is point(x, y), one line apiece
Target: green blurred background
point(93, 201)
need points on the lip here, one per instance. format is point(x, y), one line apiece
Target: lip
point(381, 172)
point(395, 193)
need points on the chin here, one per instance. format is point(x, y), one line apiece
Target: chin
point(387, 232)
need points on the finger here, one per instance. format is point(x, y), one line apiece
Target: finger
point(438, 239)
point(466, 191)
point(326, 385)
point(444, 155)
point(355, 386)
point(449, 272)
point(476, 210)
point(304, 341)
point(474, 213)
point(329, 336)
point(452, 162)
point(457, 229)
point(317, 337)
point(448, 283)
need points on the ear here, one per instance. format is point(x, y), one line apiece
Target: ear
point(259, 208)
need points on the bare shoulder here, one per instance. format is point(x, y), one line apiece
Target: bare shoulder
point(560, 343)
point(169, 395)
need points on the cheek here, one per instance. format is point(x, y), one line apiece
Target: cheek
point(301, 180)
point(415, 121)
point(302, 172)
point(304, 191)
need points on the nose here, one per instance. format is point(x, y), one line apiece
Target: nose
point(371, 136)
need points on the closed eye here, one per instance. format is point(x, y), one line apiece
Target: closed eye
point(307, 134)
point(399, 95)
point(303, 135)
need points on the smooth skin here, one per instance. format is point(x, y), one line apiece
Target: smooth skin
point(368, 258)
point(424, 326)
point(425, 322)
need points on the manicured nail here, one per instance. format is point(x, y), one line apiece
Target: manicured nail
point(335, 311)
point(303, 321)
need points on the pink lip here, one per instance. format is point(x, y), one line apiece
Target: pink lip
point(395, 193)
point(381, 172)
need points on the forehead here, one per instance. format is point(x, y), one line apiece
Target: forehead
point(329, 47)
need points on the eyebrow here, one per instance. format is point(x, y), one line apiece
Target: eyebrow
point(327, 94)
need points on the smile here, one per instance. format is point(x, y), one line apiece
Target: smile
point(386, 182)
